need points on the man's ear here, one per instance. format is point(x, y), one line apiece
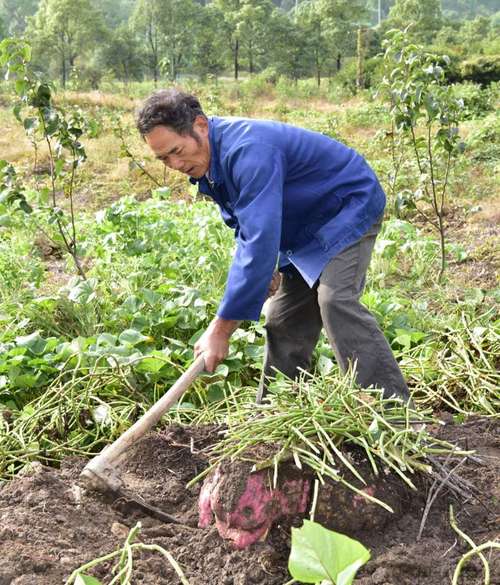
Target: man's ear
point(200, 124)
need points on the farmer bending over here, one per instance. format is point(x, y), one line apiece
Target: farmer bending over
point(299, 202)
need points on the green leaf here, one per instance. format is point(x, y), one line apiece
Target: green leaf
point(106, 340)
point(24, 380)
point(82, 579)
point(320, 554)
point(151, 365)
point(132, 337)
point(34, 342)
point(161, 193)
point(6, 221)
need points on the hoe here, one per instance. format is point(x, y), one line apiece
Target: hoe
point(102, 472)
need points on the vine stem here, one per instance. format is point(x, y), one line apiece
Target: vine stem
point(474, 550)
point(477, 550)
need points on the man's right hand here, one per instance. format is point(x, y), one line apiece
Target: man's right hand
point(214, 343)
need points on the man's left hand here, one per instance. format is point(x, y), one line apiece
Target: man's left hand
point(274, 284)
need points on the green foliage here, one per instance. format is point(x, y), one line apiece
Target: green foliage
point(457, 366)
point(18, 269)
point(69, 27)
point(12, 193)
point(319, 555)
point(482, 70)
point(484, 141)
point(425, 16)
point(477, 101)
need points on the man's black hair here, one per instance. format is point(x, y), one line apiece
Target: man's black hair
point(169, 107)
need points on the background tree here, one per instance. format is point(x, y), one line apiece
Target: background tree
point(116, 12)
point(178, 24)
point(15, 15)
point(71, 28)
point(254, 29)
point(425, 14)
point(460, 9)
point(231, 11)
point(211, 54)
point(288, 53)
point(122, 54)
point(474, 32)
point(145, 21)
point(331, 29)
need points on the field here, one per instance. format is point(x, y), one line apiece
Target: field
point(83, 357)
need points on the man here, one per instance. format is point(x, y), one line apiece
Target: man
point(299, 201)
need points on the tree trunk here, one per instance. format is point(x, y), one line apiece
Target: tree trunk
point(63, 69)
point(250, 57)
point(360, 70)
point(236, 56)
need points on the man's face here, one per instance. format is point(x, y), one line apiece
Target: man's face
point(182, 152)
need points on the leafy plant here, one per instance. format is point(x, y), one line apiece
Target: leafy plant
point(425, 116)
point(59, 131)
point(319, 555)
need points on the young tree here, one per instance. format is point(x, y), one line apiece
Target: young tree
point(425, 119)
point(70, 27)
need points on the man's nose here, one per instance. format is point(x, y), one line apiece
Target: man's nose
point(175, 163)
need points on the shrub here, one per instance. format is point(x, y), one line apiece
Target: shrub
point(477, 101)
point(482, 70)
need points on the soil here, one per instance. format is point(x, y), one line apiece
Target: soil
point(49, 527)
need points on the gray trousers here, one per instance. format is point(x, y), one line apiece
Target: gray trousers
point(297, 313)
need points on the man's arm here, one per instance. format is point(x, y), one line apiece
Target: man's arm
point(214, 343)
point(258, 175)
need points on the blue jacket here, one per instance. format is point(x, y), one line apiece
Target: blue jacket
point(292, 196)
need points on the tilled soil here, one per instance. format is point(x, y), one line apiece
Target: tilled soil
point(48, 527)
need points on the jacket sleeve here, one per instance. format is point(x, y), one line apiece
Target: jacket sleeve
point(257, 172)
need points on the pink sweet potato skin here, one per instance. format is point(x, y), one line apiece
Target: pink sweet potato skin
point(245, 505)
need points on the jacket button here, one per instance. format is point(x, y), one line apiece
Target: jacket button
point(288, 252)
